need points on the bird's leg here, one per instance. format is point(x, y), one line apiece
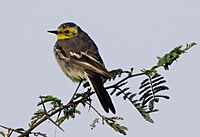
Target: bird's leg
point(76, 90)
point(71, 101)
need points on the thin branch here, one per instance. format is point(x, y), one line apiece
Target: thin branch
point(95, 109)
point(124, 79)
point(45, 111)
point(11, 129)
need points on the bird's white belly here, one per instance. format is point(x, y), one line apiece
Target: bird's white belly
point(75, 73)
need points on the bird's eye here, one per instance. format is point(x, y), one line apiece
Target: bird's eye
point(66, 31)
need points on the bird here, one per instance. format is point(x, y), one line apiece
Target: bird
point(78, 57)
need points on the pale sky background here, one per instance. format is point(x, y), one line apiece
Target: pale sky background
point(128, 33)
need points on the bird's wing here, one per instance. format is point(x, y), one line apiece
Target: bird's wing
point(89, 62)
point(86, 60)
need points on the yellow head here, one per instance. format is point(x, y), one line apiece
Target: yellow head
point(66, 31)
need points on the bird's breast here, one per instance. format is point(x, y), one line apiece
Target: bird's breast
point(74, 72)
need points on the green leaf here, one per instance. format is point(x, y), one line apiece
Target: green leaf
point(188, 46)
point(20, 129)
point(142, 111)
point(45, 99)
point(151, 72)
point(151, 104)
point(172, 56)
point(132, 96)
point(114, 90)
point(144, 82)
point(163, 96)
point(2, 134)
point(156, 75)
point(159, 83)
point(119, 93)
point(145, 115)
point(156, 79)
point(61, 120)
point(116, 73)
point(145, 89)
point(126, 95)
point(112, 122)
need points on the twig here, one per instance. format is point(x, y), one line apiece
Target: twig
point(45, 111)
point(11, 129)
point(124, 79)
point(94, 109)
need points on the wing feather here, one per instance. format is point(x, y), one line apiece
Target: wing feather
point(89, 63)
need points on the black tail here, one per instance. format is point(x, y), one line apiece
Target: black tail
point(102, 94)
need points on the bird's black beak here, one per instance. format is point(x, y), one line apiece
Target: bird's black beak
point(53, 31)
